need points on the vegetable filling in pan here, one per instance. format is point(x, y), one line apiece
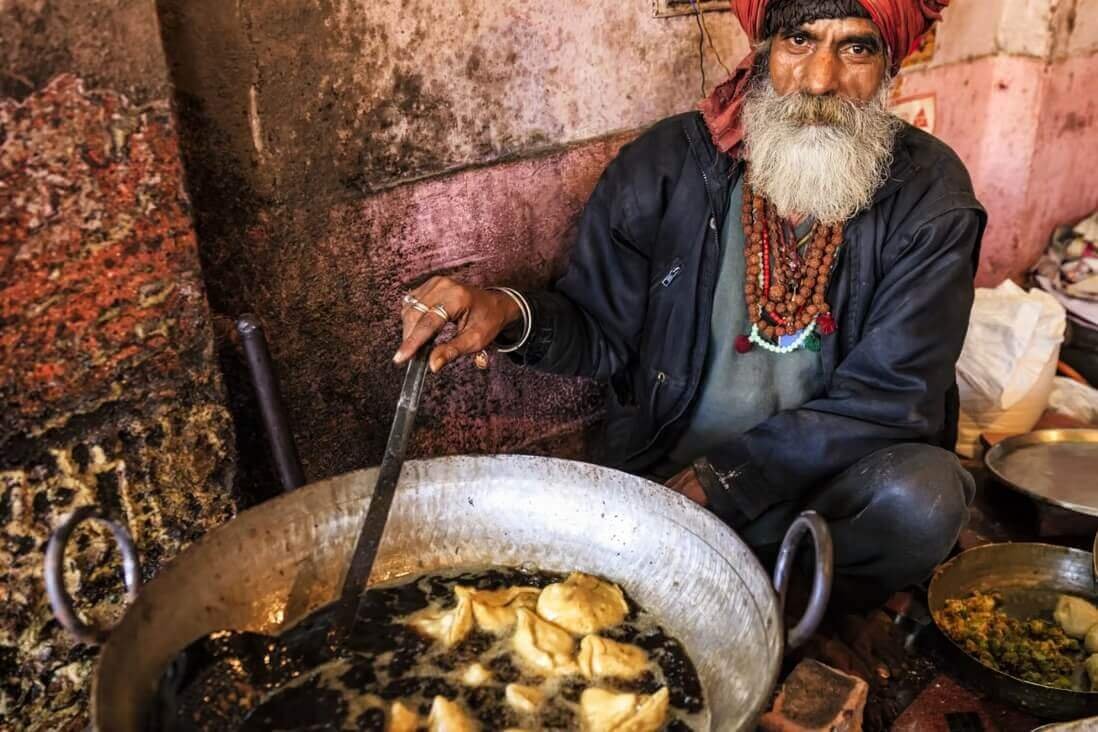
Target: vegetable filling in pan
point(1061, 651)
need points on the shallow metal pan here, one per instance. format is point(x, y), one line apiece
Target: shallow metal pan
point(1054, 466)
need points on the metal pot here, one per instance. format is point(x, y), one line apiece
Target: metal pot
point(278, 562)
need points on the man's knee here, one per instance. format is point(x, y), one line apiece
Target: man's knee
point(919, 505)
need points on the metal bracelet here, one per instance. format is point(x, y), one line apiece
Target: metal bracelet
point(527, 318)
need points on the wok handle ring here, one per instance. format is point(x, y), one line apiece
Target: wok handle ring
point(60, 600)
point(823, 572)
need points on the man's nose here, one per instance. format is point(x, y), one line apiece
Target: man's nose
point(821, 75)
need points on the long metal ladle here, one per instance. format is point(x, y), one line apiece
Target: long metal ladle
point(373, 526)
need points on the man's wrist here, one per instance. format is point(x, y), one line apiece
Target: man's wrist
point(512, 313)
point(518, 318)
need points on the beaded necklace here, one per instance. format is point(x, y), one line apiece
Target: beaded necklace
point(785, 291)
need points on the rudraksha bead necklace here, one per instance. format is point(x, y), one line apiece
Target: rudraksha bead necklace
point(785, 290)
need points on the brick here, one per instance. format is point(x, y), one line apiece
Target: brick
point(817, 698)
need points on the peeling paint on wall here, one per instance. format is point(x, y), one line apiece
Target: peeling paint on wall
point(1019, 117)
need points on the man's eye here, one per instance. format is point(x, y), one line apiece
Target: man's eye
point(859, 50)
point(798, 39)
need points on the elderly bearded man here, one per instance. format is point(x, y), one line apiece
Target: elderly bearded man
point(777, 290)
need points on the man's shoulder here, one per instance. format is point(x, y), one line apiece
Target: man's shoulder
point(659, 153)
point(670, 137)
point(937, 171)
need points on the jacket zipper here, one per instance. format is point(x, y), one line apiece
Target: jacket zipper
point(661, 379)
point(714, 229)
point(670, 277)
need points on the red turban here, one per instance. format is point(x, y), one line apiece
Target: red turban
point(901, 23)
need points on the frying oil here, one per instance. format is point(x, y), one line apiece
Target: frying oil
point(240, 681)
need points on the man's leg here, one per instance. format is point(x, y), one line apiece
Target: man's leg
point(894, 516)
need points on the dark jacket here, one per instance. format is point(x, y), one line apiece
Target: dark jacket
point(634, 309)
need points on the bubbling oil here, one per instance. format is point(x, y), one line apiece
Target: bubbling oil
point(247, 682)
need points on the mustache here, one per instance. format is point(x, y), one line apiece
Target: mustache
point(802, 109)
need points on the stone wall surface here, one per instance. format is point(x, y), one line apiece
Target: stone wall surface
point(338, 305)
point(349, 96)
point(109, 389)
point(113, 44)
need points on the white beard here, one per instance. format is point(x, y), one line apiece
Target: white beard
point(823, 157)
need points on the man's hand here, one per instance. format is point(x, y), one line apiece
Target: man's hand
point(480, 316)
point(688, 484)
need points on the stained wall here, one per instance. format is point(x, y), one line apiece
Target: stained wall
point(341, 152)
point(337, 152)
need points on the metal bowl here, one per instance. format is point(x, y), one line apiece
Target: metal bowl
point(1030, 577)
point(277, 562)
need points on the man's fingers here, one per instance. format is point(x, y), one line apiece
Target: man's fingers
point(467, 341)
point(419, 326)
point(678, 480)
point(408, 318)
point(425, 329)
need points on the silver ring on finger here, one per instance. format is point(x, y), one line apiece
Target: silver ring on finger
point(420, 307)
point(440, 311)
point(410, 299)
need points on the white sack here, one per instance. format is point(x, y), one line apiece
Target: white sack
point(1008, 363)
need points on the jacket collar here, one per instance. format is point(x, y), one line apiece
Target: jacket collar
point(903, 166)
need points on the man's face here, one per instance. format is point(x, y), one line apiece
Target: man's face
point(817, 129)
point(845, 57)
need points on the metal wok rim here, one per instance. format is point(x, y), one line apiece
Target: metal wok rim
point(1084, 556)
point(350, 489)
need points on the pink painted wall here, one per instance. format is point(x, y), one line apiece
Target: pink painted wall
point(1064, 182)
point(1015, 99)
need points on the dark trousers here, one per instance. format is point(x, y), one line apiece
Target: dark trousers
point(894, 516)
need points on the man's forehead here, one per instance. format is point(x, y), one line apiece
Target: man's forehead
point(841, 27)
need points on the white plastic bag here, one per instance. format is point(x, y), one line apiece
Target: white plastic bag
point(1008, 363)
point(1074, 400)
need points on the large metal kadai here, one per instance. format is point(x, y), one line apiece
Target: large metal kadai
point(278, 562)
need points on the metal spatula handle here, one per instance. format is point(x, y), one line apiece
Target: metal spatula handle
point(373, 526)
